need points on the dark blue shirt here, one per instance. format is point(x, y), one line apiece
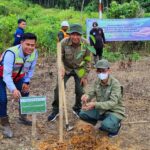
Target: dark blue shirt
point(18, 34)
point(99, 37)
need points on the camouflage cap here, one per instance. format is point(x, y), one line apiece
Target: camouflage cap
point(75, 28)
point(103, 63)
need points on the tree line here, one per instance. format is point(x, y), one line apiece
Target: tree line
point(93, 4)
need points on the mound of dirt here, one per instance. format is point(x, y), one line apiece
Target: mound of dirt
point(83, 139)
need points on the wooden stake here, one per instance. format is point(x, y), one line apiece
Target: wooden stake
point(59, 63)
point(33, 129)
point(136, 122)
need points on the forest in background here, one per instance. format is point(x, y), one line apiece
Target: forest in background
point(88, 4)
point(45, 23)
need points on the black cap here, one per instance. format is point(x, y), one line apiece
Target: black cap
point(95, 24)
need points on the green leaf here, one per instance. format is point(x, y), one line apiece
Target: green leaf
point(79, 55)
point(93, 39)
point(84, 46)
point(82, 63)
point(81, 72)
point(91, 49)
point(87, 58)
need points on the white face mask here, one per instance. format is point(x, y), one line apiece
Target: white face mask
point(103, 76)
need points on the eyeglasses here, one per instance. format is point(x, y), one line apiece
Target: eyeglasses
point(99, 70)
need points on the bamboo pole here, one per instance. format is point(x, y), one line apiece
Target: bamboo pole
point(33, 129)
point(59, 63)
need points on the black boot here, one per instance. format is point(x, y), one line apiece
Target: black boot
point(23, 120)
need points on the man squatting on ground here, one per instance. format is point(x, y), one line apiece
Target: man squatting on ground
point(108, 106)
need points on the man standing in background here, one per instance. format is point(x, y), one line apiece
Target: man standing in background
point(19, 31)
point(99, 41)
point(63, 32)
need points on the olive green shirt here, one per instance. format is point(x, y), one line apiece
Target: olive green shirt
point(108, 97)
point(70, 52)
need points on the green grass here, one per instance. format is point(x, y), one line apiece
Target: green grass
point(45, 23)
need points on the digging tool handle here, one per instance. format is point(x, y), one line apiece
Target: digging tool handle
point(59, 64)
point(64, 101)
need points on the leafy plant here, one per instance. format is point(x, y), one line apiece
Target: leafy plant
point(112, 56)
point(82, 71)
point(125, 10)
point(4, 10)
point(116, 56)
point(135, 56)
point(93, 39)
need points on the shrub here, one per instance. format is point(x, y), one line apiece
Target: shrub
point(4, 10)
point(125, 10)
point(7, 27)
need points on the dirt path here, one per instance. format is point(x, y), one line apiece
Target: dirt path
point(135, 133)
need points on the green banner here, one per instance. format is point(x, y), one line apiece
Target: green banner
point(34, 104)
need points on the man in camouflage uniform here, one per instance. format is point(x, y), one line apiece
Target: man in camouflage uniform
point(108, 106)
point(70, 48)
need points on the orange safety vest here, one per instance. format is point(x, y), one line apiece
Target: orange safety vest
point(64, 33)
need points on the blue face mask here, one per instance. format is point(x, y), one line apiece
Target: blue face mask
point(102, 76)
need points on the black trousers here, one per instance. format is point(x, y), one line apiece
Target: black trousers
point(99, 52)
